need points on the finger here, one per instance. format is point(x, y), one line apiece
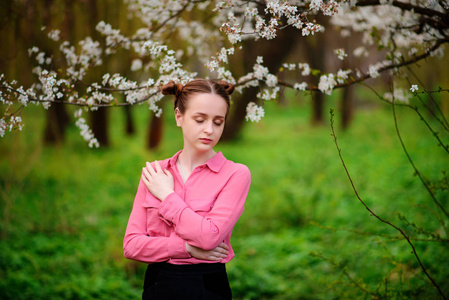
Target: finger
point(222, 251)
point(150, 169)
point(158, 167)
point(146, 174)
point(144, 178)
point(223, 245)
point(216, 258)
point(168, 173)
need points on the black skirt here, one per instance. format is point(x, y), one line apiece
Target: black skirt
point(165, 281)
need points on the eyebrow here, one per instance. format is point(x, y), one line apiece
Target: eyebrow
point(205, 115)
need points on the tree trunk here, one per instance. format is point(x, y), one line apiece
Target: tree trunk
point(129, 128)
point(57, 116)
point(155, 131)
point(315, 52)
point(99, 120)
point(347, 110)
point(55, 124)
point(317, 108)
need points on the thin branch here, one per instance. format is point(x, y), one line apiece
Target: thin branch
point(381, 70)
point(385, 236)
point(407, 6)
point(443, 122)
point(176, 15)
point(376, 216)
point(405, 150)
point(79, 103)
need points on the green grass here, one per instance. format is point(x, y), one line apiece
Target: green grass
point(65, 209)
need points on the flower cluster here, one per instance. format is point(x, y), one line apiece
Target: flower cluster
point(300, 86)
point(341, 54)
point(399, 95)
point(343, 75)
point(327, 83)
point(10, 123)
point(254, 113)
point(85, 131)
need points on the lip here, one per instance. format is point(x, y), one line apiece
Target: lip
point(206, 141)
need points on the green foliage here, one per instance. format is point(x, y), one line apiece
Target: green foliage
point(303, 234)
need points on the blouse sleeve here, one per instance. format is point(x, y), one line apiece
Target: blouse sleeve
point(138, 245)
point(207, 232)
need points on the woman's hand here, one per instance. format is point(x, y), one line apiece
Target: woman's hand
point(159, 182)
point(217, 254)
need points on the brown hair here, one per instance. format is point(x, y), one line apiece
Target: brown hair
point(197, 86)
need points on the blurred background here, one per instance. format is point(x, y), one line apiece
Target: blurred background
point(303, 234)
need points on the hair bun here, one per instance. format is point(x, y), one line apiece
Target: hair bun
point(172, 88)
point(228, 87)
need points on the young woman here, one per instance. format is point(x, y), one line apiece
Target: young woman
point(186, 206)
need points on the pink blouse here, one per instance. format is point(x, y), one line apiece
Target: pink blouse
point(202, 212)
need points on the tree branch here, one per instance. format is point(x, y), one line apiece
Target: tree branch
point(381, 70)
point(407, 6)
point(376, 216)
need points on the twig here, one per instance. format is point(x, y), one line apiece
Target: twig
point(443, 122)
point(423, 181)
point(111, 104)
point(411, 161)
point(364, 77)
point(436, 239)
point(375, 215)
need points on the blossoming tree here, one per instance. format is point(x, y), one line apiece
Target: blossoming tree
point(407, 32)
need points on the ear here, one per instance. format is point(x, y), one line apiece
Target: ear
point(178, 117)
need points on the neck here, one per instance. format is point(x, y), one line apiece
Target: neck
point(192, 159)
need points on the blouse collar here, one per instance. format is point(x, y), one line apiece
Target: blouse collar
point(214, 164)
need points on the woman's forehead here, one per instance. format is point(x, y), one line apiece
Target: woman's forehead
point(207, 104)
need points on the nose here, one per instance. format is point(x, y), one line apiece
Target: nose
point(209, 127)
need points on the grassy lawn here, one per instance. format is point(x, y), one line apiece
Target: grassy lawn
point(303, 235)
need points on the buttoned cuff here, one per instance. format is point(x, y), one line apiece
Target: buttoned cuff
point(177, 247)
point(171, 207)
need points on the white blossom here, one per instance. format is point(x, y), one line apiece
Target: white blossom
point(254, 113)
point(373, 71)
point(399, 95)
point(327, 83)
point(267, 95)
point(87, 133)
point(136, 64)
point(271, 80)
point(54, 35)
point(305, 69)
point(341, 54)
point(290, 67)
point(360, 51)
point(342, 76)
point(414, 88)
point(300, 86)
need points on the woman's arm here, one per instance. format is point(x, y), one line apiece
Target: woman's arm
point(209, 231)
point(138, 245)
point(217, 254)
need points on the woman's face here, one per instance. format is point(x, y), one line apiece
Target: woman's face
point(202, 122)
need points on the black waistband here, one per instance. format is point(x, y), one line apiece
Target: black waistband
point(194, 269)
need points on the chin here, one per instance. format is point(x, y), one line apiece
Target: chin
point(205, 148)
